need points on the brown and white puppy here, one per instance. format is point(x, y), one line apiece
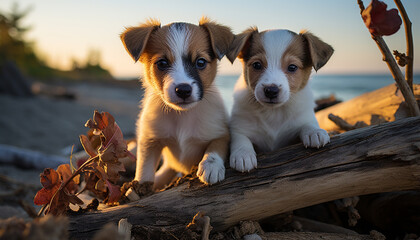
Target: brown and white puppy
point(183, 118)
point(273, 104)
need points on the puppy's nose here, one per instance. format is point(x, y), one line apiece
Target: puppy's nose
point(183, 90)
point(271, 92)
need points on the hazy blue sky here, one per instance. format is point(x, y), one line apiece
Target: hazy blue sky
point(65, 30)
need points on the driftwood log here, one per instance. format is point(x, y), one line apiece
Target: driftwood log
point(386, 103)
point(29, 159)
point(374, 159)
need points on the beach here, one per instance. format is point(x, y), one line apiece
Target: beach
point(52, 125)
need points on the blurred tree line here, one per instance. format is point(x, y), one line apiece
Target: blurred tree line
point(15, 47)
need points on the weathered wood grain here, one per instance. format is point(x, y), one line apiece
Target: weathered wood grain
point(380, 158)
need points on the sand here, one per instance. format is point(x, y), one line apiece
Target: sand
point(51, 125)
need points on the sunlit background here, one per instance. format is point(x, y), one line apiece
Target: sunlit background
point(66, 31)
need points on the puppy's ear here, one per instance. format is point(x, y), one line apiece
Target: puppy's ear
point(240, 44)
point(135, 38)
point(320, 52)
point(220, 36)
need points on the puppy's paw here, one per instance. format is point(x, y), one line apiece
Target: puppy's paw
point(315, 137)
point(211, 169)
point(243, 160)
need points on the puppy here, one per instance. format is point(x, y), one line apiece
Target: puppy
point(273, 104)
point(183, 118)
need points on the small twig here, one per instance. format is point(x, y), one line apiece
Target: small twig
point(201, 223)
point(29, 209)
point(124, 228)
point(343, 124)
point(206, 228)
point(410, 47)
point(42, 209)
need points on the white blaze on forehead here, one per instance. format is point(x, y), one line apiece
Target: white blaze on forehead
point(275, 43)
point(178, 39)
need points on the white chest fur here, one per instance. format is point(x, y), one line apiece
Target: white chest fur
point(185, 134)
point(272, 128)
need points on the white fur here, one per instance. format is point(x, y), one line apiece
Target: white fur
point(275, 43)
point(178, 40)
point(181, 138)
point(256, 124)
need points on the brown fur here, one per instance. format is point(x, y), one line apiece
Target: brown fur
point(319, 51)
point(148, 43)
point(162, 128)
point(305, 51)
point(135, 38)
point(297, 54)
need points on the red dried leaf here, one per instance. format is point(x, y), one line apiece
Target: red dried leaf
point(380, 21)
point(50, 181)
point(49, 178)
point(58, 198)
point(114, 193)
point(60, 203)
point(45, 195)
point(87, 145)
point(65, 173)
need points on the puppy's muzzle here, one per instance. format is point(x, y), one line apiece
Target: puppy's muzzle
point(271, 92)
point(183, 91)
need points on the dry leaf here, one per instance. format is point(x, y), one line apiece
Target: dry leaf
point(105, 171)
point(380, 21)
point(53, 194)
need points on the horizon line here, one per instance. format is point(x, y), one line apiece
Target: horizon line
point(314, 74)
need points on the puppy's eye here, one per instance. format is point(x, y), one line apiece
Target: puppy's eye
point(257, 65)
point(201, 63)
point(292, 68)
point(162, 65)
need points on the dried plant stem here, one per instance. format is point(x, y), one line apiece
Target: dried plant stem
point(77, 172)
point(398, 76)
point(410, 47)
point(406, 90)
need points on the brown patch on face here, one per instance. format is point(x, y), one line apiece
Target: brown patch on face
point(157, 48)
point(199, 47)
point(297, 53)
point(253, 53)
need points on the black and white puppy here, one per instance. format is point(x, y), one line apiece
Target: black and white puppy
point(183, 118)
point(273, 104)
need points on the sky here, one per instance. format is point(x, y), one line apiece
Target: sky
point(66, 30)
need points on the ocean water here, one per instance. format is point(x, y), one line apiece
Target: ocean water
point(344, 87)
